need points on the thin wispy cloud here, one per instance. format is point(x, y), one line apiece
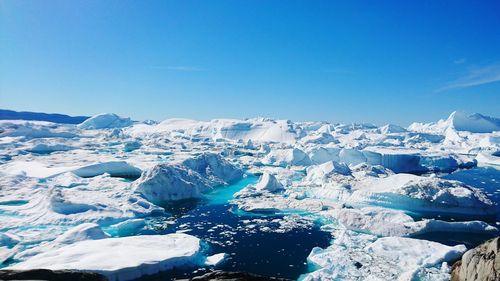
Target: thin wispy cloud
point(184, 68)
point(460, 61)
point(475, 77)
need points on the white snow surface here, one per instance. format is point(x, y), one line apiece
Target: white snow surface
point(140, 255)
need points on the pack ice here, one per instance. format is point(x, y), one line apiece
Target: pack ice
point(73, 195)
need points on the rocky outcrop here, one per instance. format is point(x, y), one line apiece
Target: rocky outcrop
point(479, 264)
point(220, 275)
point(52, 275)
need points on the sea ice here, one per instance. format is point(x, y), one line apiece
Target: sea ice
point(140, 255)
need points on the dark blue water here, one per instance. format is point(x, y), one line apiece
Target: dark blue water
point(270, 245)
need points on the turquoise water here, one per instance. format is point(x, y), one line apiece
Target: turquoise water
point(224, 194)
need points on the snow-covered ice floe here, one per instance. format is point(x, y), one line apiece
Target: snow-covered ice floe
point(91, 189)
point(357, 256)
point(123, 258)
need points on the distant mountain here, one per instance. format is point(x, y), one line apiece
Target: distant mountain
point(37, 116)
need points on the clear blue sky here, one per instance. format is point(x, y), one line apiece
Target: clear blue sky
point(345, 61)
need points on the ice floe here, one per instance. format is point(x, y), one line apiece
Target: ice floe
point(140, 255)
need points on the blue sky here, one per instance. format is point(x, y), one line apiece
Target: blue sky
point(341, 61)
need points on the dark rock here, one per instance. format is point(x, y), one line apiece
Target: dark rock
point(219, 275)
point(49, 275)
point(479, 264)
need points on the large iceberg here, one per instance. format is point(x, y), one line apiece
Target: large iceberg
point(140, 255)
point(285, 157)
point(188, 179)
point(428, 195)
point(105, 121)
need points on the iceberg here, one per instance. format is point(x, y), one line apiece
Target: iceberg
point(423, 195)
point(286, 157)
point(105, 121)
point(188, 179)
point(151, 254)
point(357, 256)
point(268, 183)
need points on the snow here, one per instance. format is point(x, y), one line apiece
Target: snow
point(105, 121)
point(141, 255)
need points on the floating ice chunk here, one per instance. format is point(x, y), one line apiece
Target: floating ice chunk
point(68, 180)
point(62, 205)
point(128, 227)
point(34, 169)
point(320, 155)
point(216, 259)
point(399, 161)
point(352, 156)
point(40, 170)
point(423, 195)
point(387, 222)
point(488, 160)
point(214, 167)
point(113, 168)
point(318, 173)
point(353, 256)
point(459, 121)
point(268, 183)
point(319, 138)
point(391, 129)
point(131, 146)
point(412, 254)
point(377, 221)
point(84, 231)
point(48, 148)
point(475, 123)
point(286, 157)
point(166, 182)
point(36, 129)
point(151, 254)
point(105, 121)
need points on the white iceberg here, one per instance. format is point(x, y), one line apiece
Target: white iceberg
point(286, 157)
point(140, 255)
point(423, 195)
point(166, 182)
point(105, 121)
